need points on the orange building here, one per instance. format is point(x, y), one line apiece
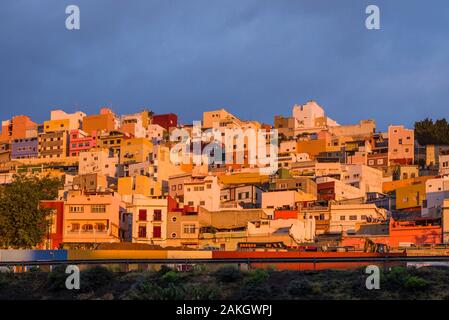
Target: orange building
point(105, 121)
point(312, 147)
point(18, 127)
point(400, 233)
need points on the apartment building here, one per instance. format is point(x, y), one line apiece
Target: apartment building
point(139, 184)
point(112, 141)
point(346, 217)
point(80, 141)
point(105, 121)
point(149, 219)
point(18, 127)
point(136, 150)
point(53, 145)
point(443, 161)
point(98, 161)
point(166, 121)
point(56, 125)
point(437, 190)
point(288, 199)
point(219, 118)
point(333, 189)
point(401, 142)
point(176, 186)
point(202, 192)
point(95, 218)
point(75, 120)
point(24, 148)
point(244, 196)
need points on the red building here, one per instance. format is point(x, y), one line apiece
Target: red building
point(166, 120)
point(286, 214)
point(54, 235)
point(326, 191)
point(79, 142)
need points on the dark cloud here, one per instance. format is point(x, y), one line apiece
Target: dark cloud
point(254, 57)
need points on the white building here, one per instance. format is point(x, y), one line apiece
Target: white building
point(149, 219)
point(437, 190)
point(75, 119)
point(98, 161)
point(344, 218)
point(444, 164)
point(202, 192)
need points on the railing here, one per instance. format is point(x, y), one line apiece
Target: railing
point(380, 259)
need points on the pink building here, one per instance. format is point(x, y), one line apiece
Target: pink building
point(79, 142)
point(401, 142)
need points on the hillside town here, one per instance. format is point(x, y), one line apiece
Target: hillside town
point(334, 185)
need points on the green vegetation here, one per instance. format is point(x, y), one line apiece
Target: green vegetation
point(227, 283)
point(429, 132)
point(22, 223)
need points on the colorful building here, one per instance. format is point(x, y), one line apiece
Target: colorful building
point(149, 219)
point(105, 121)
point(98, 161)
point(136, 150)
point(401, 142)
point(18, 127)
point(80, 141)
point(95, 218)
point(53, 145)
point(24, 148)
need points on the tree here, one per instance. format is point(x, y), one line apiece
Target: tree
point(23, 224)
point(428, 132)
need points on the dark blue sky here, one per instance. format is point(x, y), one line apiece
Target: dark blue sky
point(255, 58)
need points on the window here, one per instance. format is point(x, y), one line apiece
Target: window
point(142, 215)
point(173, 219)
point(342, 218)
point(76, 209)
point(179, 186)
point(88, 228)
point(173, 188)
point(98, 208)
point(157, 215)
point(173, 235)
point(190, 203)
point(142, 231)
point(100, 227)
point(75, 227)
point(202, 203)
point(190, 228)
point(208, 186)
point(363, 217)
point(156, 232)
point(353, 217)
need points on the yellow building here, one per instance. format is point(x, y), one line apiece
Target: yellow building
point(311, 147)
point(410, 196)
point(244, 178)
point(56, 125)
point(139, 185)
point(135, 150)
point(390, 186)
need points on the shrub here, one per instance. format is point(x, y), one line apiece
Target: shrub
point(163, 270)
point(56, 278)
point(255, 291)
point(415, 283)
point(170, 277)
point(299, 288)
point(258, 276)
point(95, 278)
point(228, 274)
